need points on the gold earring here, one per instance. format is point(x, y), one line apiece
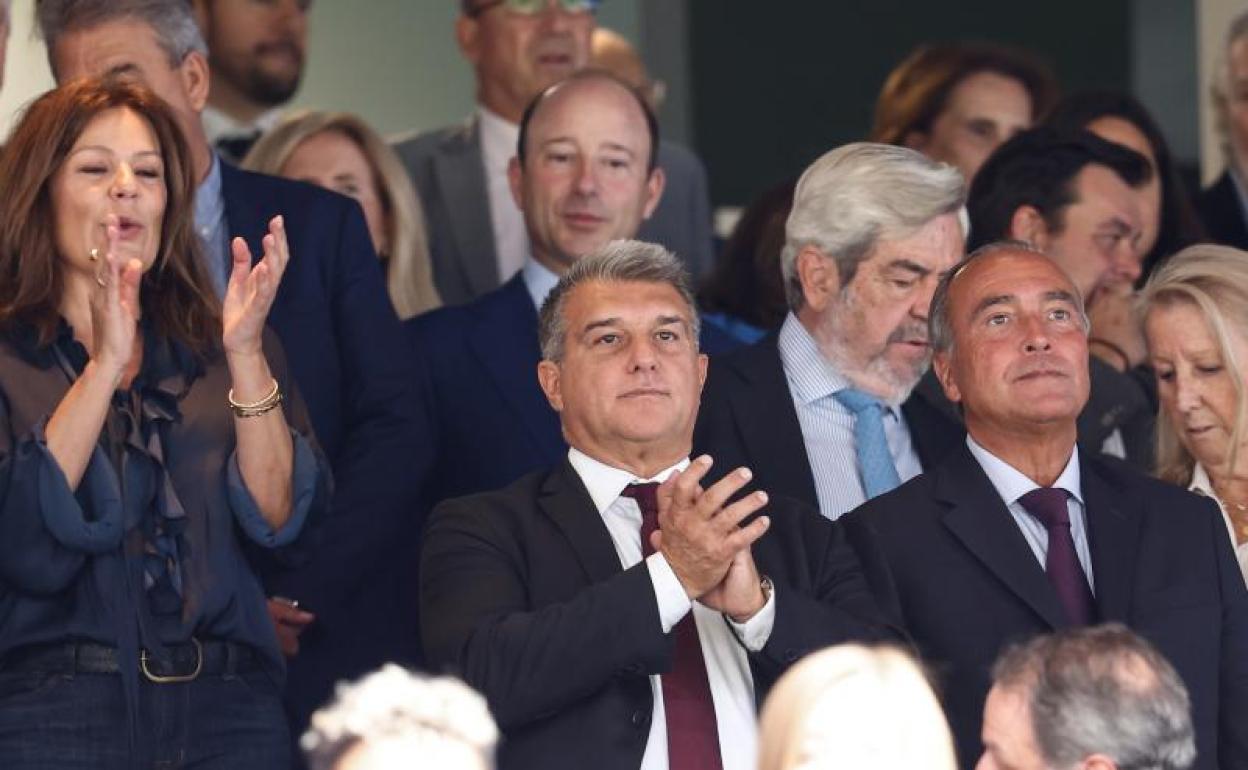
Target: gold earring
point(95, 255)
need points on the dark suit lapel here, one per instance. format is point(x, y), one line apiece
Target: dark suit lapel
point(980, 520)
point(459, 172)
point(504, 340)
point(566, 501)
point(935, 426)
point(244, 214)
point(1113, 540)
point(770, 431)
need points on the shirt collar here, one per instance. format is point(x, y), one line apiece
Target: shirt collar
point(218, 124)
point(1012, 483)
point(1201, 482)
point(498, 139)
point(539, 280)
point(813, 377)
point(605, 482)
point(209, 203)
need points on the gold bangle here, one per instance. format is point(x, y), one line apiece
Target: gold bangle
point(256, 408)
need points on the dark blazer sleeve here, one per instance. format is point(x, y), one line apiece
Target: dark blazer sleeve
point(826, 602)
point(528, 662)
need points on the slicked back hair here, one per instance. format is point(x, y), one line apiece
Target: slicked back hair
point(857, 194)
point(173, 21)
point(617, 261)
point(1037, 168)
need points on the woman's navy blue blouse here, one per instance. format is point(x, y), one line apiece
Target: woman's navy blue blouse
point(161, 541)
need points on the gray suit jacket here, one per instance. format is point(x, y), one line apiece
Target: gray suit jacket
point(448, 171)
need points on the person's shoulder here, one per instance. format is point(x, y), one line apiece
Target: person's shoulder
point(456, 320)
point(675, 155)
point(504, 507)
point(902, 509)
point(414, 146)
point(748, 361)
point(299, 201)
point(1127, 482)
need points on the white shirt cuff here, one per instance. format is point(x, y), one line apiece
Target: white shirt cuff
point(755, 632)
point(674, 603)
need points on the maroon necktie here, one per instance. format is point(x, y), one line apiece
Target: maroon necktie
point(1048, 506)
point(692, 736)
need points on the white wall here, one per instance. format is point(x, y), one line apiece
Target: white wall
point(392, 61)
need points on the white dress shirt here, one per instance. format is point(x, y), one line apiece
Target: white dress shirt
point(727, 667)
point(1012, 484)
point(1201, 484)
point(218, 125)
point(828, 425)
point(498, 147)
point(539, 280)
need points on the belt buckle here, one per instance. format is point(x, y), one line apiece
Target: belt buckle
point(174, 678)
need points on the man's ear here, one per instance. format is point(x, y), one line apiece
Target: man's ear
point(820, 278)
point(193, 71)
point(548, 378)
point(941, 368)
point(515, 176)
point(654, 191)
point(467, 34)
point(703, 361)
point(1027, 224)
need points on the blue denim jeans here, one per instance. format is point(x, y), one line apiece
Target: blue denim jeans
point(70, 721)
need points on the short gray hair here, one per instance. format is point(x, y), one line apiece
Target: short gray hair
point(1101, 690)
point(617, 261)
point(402, 713)
point(940, 326)
point(173, 21)
point(855, 195)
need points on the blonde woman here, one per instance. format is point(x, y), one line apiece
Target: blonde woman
point(340, 152)
point(854, 706)
point(1195, 310)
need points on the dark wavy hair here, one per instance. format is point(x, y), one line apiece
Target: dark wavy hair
point(177, 298)
point(1179, 227)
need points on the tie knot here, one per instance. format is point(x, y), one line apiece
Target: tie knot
point(857, 401)
point(646, 495)
point(1048, 505)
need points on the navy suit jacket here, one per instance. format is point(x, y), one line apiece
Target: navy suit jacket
point(958, 574)
point(448, 171)
point(346, 353)
point(748, 418)
point(490, 420)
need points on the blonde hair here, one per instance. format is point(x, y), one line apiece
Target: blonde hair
point(854, 706)
point(1214, 280)
point(409, 274)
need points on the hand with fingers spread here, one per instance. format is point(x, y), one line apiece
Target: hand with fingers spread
point(699, 535)
point(115, 306)
point(251, 290)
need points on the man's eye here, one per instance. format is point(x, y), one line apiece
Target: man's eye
point(1060, 314)
point(997, 319)
point(559, 157)
point(608, 339)
point(1165, 375)
point(667, 335)
point(903, 283)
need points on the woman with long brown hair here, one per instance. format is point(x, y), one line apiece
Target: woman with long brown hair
point(151, 459)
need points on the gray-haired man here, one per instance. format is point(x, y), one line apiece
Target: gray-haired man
point(1098, 698)
point(580, 599)
point(821, 411)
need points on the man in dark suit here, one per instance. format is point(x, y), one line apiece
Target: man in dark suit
point(1020, 532)
point(476, 233)
point(1223, 206)
point(580, 600)
point(587, 175)
point(1074, 195)
point(859, 270)
point(340, 335)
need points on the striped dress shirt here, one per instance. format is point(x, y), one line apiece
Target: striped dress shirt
point(828, 427)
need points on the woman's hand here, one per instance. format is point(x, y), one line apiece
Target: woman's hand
point(115, 307)
point(251, 290)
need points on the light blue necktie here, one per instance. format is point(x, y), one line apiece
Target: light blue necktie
point(875, 461)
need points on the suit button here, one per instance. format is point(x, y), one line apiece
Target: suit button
point(640, 718)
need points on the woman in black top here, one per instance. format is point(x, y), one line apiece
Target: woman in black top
point(149, 464)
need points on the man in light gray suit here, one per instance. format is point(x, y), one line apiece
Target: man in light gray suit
point(477, 237)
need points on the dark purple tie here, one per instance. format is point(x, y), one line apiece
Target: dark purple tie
point(692, 734)
point(1048, 506)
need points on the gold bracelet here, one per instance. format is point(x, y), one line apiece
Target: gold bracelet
point(257, 408)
